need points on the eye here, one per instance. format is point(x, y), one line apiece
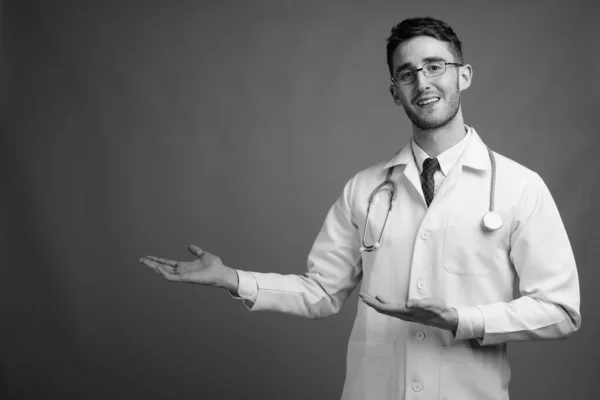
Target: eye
point(405, 74)
point(434, 67)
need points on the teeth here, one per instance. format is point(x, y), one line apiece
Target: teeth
point(428, 101)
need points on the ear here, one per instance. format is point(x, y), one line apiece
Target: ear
point(395, 95)
point(465, 76)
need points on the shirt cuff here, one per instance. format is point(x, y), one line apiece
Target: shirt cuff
point(470, 323)
point(247, 286)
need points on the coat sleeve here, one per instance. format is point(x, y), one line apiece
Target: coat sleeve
point(334, 269)
point(548, 306)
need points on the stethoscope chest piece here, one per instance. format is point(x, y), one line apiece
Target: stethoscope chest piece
point(491, 221)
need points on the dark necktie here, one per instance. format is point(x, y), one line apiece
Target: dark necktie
point(430, 165)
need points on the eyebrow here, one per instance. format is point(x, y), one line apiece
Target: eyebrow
point(425, 60)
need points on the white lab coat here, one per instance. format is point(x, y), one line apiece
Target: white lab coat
point(521, 279)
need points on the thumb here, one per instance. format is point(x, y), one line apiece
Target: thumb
point(195, 250)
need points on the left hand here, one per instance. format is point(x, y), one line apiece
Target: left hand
point(207, 269)
point(430, 311)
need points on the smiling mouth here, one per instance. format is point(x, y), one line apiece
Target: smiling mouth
point(428, 102)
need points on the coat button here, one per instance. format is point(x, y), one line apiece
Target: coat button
point(421, 285)
point(425, 235)
point(417, 387)
point(420, 335)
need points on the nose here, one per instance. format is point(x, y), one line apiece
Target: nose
point(421, 82)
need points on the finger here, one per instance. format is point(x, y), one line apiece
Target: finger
point(368, 297)
point(167, 272)
point(148, 263)
point(372, 302)
point(195, 250)
point(163, 261)
point(423, 304)
point(384, 306)
point(395, 308)
point(158, 267)
point(392, 310)
point(167, 269)
point(381, 299)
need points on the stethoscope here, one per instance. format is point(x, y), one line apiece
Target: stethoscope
point(490, 221)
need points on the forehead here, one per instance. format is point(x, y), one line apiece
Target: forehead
point(414, 51)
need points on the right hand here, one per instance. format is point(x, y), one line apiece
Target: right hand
point(207, 269)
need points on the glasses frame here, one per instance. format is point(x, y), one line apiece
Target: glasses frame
point(416, 71)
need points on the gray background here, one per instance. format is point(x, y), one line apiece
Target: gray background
point(134, 128)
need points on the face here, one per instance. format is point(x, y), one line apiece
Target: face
point(433, 102)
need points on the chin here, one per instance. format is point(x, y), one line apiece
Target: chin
point(433, 122)
point(427, 124)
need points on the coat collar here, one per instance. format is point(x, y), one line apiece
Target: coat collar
point(475, 155)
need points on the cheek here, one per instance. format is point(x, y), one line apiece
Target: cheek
point(404, 98)
point(405, 103)
point(451, 86)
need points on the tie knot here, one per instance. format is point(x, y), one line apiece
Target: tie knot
point(430, 165)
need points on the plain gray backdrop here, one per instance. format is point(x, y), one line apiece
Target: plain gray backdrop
point(136, 128)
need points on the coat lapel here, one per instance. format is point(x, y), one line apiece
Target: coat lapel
point(405, 158)
point(475, 156)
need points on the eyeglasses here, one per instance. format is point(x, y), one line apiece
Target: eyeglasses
point(430, 69)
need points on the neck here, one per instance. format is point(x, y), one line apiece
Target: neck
point(435, 141)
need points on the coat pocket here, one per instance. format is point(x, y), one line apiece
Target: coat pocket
point(468, 373)
point(468, 249)
point(370, 371)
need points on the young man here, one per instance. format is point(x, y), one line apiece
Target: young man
point(469, 229)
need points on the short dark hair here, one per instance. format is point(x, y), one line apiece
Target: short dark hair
point(422, 26)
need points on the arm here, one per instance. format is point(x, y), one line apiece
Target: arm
point(548, 281)
point(334, 269)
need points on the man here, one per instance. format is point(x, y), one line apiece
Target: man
point(450, 288)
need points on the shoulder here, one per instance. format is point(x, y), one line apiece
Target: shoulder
point(507, 170)
point(367, 179)
point(512, 167)
point(371, 174)
point(519, 185)
point(514, 172)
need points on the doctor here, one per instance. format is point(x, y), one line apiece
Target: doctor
point(441, 294)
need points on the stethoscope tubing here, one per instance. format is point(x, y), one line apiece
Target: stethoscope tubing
point(493, 180)
point(390, 186)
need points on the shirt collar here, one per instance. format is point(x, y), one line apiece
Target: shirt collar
point(471, 151)
point(447, 159)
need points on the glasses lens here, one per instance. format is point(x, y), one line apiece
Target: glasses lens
point(404, 76)
point(434, 68)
